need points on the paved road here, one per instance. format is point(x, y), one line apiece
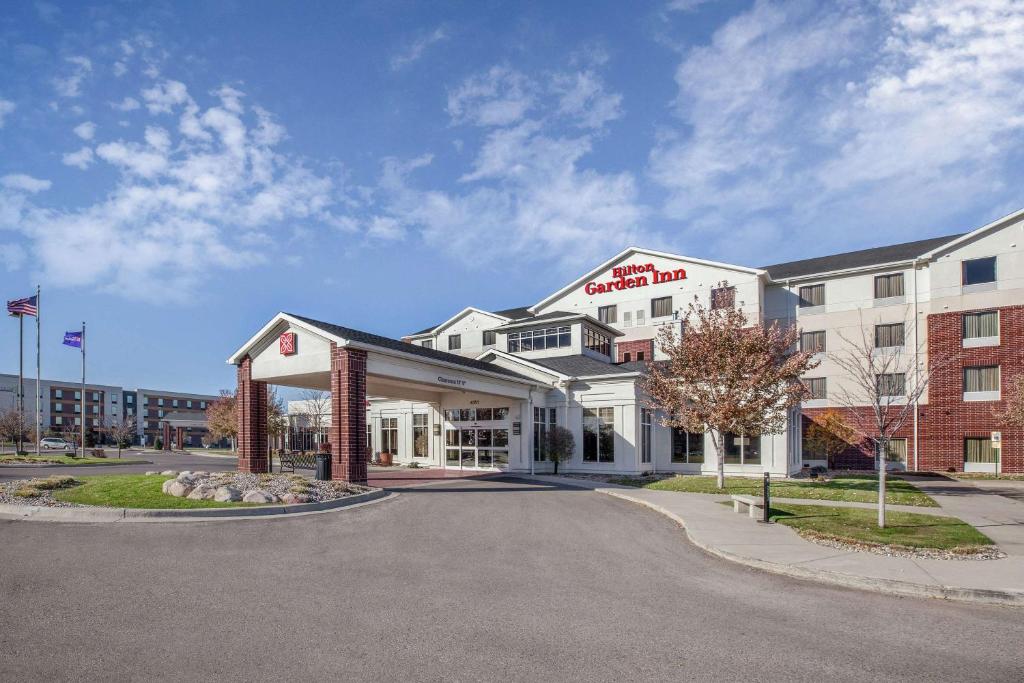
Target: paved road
point(155, 460)
point(465, 580)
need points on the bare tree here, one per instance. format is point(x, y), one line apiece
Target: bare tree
point(315, 409)
point(883, 387)
point(725, 374)
point(13, 427)
point(222, 417)
point(1013, 414)
point(122, 432)
point(72, 434)
point(277, 421)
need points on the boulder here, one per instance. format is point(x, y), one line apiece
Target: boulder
point(167, 485)
point(185, 473)
point(151, 472)
point(259, 496)
point(200, 474)
point(203, 492)
point(178, 489)
point(294, 498)
point(187, 478)
point(170, 473)
point(226, 494)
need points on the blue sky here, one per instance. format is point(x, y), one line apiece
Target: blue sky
point(175, 173)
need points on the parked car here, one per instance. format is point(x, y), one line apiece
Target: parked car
point(51, 443)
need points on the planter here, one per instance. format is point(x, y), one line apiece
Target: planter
point(386, 459)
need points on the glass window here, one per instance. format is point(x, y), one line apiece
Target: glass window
point(78, 408)
point(489, 337)
point(742, 450)
point(454, 342)
point(608, 314)
point(891, 384)
point(427, 343)
point(420, 437)
point(484, 414)
point(468, 437)
point(978, 449)
point(979, 270)
point(627, 357)
point(483, 438)
point(896, 450)
point(501, 413)
point(887, 336)
point(188, 404)
point(816, 388)
point(813, 342)
point(812, 295)
point(595, 341)
point(95, 395)
point(513, 342)
point(983, 324)
point(723, 297)
point(661, 307)
point(564, 338)
point(640, 318)
point(543, 418)
point(500, 438)
point(389, 435)
point(174, 403)
point(627, 319)
point(57, 393)
point(984, 378)
point(451, 415)
point(159, 401)
point(202, 405)
point(599, 434)
point(687, 447)
point(78, 396)
point(645, 435)
point(467, 414)
point(451, 437)
point(451, 457)
point(889, 285)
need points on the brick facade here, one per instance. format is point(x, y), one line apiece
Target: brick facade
point(644, 346)
point(252, 421)
point(347, 432)
point(947, 420)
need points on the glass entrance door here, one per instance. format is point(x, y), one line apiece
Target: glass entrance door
point(476, 447)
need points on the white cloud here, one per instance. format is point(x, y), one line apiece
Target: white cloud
point(48, 12)
point(581, 96)
point(415, 50)
point(127, 104)
point(385, 228)
point(212, 194)
point(86, 130)
point(6, 108)
point(120, 69)
point(499, 97)
point(12, 256)
point(81, 159)
point(24, 183)
point(70, 84)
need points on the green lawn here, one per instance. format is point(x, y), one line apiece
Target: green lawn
point(902, 528)
point(132, 491)
point(61, 459)
point(984, 476)
point(854, 488)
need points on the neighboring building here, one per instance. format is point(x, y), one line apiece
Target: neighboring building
point(61, 408)
point(581, 349)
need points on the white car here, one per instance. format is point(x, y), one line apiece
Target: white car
point(54, 444)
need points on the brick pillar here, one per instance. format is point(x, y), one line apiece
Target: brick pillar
point(252, 420)
point(179, 437)
point(167, 436)
point(347, 432)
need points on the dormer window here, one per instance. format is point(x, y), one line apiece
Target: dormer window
point(538, 340)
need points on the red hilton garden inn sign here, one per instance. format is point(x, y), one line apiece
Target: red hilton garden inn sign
point(628, 277)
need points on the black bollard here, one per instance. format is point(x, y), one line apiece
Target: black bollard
point(767, 497)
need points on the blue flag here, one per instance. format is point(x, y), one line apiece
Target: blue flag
point(73, 339)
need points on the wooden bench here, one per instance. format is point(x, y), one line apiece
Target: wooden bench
point(293, 459)
point(754, 505)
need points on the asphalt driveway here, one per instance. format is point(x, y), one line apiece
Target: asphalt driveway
point(460, 580)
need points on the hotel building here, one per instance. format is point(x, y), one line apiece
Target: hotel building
point(480, 389)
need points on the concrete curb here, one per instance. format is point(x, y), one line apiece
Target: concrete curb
point(39, 513)
point(888, 586)
point(40, 465)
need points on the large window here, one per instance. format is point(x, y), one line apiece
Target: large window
point(595, 341)
point(742, 450)
point(984, 324)
point(538, 340)
point(896, 451)
point(982, 382)
point(661, 307)
point(389, 435)
point(979, 450)
point(420, 435)
point(543, 420)
point(454, 342)
point(475, 414)
point(723, 297)
point(687, 447)
point(427, 343)
point(892, 384)
point(813, 342)
point(812, 295)
point(887, 286)
point(980, 270)
point(887, 336)
point(645, 434)
point(599, 435)
point(608, 314)
point(816, 388)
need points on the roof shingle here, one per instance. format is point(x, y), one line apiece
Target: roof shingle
point(857, 259)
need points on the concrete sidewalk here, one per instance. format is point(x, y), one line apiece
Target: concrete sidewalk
point(779, 549)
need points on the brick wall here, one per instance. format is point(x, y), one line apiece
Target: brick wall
point(347, 432)
point(645, 346)
point(252, 420)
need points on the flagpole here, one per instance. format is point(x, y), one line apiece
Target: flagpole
point(39, 395)
point(21, 382)
point(83, 388)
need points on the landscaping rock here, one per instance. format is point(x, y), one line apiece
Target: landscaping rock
point(259, 496)
point(227, 494)
point(167, 485)
point(179, 489)
point(170, 473)
point(203, 492)
point(294, 498)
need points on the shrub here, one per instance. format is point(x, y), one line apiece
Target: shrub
point(414, 465)
point(158, 444)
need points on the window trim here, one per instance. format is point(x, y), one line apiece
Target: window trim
point(810, 393)
point(824, 341)
point(661, 300)
point(891, 297)
point(891, 326)
point(454, 342)
point(983, 394)
point(983, 283)
point(492, 335)
point(804, 302)
point(975, 342)
point(604, 311)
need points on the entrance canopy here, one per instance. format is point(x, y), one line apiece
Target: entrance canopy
point(353, 365)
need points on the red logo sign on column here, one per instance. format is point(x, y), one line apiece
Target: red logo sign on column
point(288, 344)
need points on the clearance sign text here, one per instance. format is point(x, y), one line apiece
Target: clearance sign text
point(628, 277)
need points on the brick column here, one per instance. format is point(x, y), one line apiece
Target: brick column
point(179, 437)
point(347, 432)
point(252, 420)
point(167, 436)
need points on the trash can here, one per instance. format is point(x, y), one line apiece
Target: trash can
point(323, 466)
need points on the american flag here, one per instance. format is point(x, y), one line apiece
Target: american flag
point(26, 306)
